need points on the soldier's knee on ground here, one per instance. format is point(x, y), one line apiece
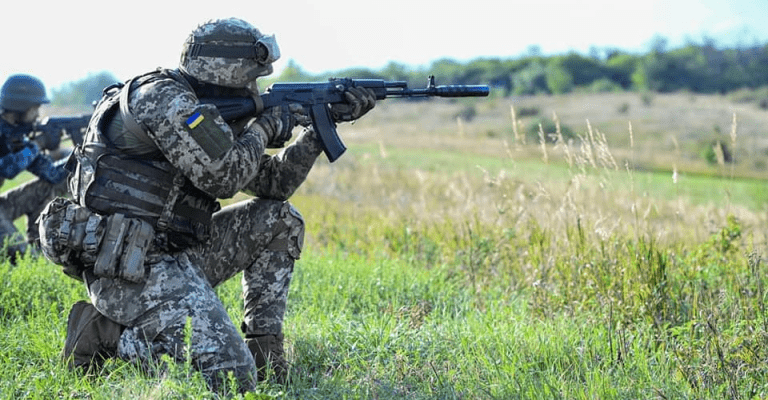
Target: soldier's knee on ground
point(91, 337)
point(290, 237)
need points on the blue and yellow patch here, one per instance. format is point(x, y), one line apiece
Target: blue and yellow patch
point(213, 139)
point(194, 120)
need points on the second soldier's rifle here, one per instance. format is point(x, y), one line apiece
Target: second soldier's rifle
point(316, 98)
point(49, 131)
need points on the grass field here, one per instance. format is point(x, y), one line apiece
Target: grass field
point(450, 255)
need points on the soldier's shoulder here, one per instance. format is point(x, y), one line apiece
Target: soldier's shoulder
point(157, 95)
point(161, 87)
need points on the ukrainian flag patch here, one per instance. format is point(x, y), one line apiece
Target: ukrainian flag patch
point(194, 120)
point(213, 139)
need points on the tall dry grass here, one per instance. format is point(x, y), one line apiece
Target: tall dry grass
point(456, 260)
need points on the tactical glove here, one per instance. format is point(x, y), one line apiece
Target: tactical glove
point(277, 123)
point(359, 101)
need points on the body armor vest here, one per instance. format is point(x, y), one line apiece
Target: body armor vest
point(120, 170)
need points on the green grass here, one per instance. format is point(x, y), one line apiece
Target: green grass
point(432, 270)
point(365, 327)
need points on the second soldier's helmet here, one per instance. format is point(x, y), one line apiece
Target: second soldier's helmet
point(21, 92)
point(228, 52)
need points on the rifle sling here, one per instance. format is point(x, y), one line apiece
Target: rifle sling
point(129, 121)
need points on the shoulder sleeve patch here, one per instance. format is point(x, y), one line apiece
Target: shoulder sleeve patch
point(202, 127)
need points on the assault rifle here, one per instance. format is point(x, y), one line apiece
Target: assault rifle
point(316, 97)
point(49, 130)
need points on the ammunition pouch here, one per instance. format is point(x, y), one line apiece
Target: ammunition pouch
point(77, 239)
point(123, 248)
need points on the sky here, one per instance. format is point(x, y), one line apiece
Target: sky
point(64, 41)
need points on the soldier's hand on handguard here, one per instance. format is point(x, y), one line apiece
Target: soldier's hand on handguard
point(277, 123)
point(359, 101)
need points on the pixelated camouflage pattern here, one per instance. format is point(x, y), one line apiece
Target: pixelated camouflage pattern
point(229, 72)
point(156, 315)
point(29, 199)
point(275, 180)
point(163, 107)
point(276, 230)
point(261, 236)
point(265, 290)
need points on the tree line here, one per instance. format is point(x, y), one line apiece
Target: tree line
point(695, 67)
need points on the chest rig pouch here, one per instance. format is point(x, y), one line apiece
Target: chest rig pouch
point(110, 246)
point(114, 179)
point(129, 206)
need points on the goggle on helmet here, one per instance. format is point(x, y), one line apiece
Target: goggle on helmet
point(264, 50)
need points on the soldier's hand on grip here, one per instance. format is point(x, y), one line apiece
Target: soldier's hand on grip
point(359, 101)
point(278, 122)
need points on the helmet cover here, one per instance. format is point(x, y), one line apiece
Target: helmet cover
point(228, 52)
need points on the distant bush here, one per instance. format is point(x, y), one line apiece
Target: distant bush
point(748, 95)
point(83, 92)
point(530, 80)
point(467, 113)
point(605, 85)
point(550, 131)
point(646, 97)
point(490, 133)
point(559, 80)
point(710, 152)
point(527, 111)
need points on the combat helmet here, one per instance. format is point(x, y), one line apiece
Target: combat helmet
point(228, 52)
point(21, 92)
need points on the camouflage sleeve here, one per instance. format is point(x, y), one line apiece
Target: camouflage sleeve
point(196, 140)
point(281, 174)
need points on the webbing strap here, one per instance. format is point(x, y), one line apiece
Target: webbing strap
point(129, 122)
point(213, 50)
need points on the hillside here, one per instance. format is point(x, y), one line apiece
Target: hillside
point(667, 129)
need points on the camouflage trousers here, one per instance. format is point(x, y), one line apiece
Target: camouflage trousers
point(261, 238)
point(27, 199)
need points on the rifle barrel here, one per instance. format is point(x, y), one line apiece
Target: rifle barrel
point(443, 91)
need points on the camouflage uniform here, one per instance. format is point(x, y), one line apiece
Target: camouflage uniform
point(261, 237)
point(20, 99)
point(155, 154)
point(28, 199)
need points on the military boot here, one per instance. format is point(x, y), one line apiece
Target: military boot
point(268, 353)
point(91, 337)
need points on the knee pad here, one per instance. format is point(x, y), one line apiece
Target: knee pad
point(91, 337)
